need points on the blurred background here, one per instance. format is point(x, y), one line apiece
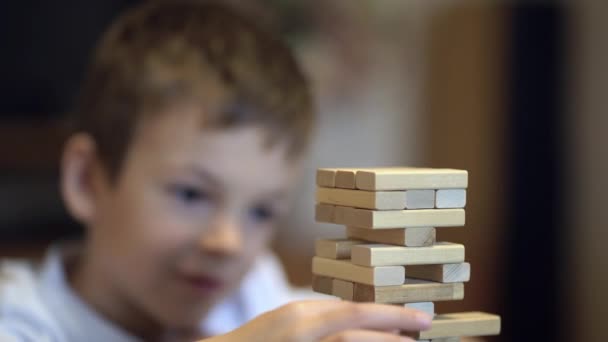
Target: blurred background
point(514, 92)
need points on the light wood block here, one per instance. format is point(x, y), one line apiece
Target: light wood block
point(335, 248)
point(345, 178)
point(324, 213)
point(451, 198)
point(420, 199)
point(378, 219)
point(412, 291)
point(462, 324)
point(326, 177)
point(446, 273)
point(387, 255)
point(322, 284)
point(343, 289)
point(380, 200)
point(426, 307)
point(345, 270)
point(411, 237)
point(407, 178)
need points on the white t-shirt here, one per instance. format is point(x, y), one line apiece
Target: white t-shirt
point(37, 304)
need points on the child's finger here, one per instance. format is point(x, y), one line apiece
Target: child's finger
point(368, 316)
point(365, 336)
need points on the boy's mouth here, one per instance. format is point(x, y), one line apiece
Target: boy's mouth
point(203, 283)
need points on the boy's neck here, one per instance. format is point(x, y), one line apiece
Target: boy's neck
point(95, 288)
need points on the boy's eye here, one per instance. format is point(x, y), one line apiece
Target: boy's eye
point(262, 214)
point(188, 194)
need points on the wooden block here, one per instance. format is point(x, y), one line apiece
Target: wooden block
point(451, 198)
point(420, 199)
point(345, 270)
point(322, 284)
point(334, 248)
point(406, 178)
point(461, 324)
point(326, 177)
point(446, 273)
point(345, 178)
point(324, 213)
point(445, 339)
point(387, 255)
point(426, 307)
point(411, 237)
point(412, 291)
point(381, 200)
point(343, 289)
point(379, 219)
point(340, 214)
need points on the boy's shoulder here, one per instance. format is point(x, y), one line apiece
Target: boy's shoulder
point(23, 314)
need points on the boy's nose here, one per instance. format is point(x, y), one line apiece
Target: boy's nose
point(223, 238)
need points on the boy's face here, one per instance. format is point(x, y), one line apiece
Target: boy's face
point(191, 210)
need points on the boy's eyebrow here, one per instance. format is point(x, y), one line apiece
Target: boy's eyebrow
point(202, 173)
point(276, 195)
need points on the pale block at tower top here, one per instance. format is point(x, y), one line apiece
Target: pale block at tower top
point(451, 198)
point(345, 270)
point(381, 200)
point(410, 237)
point(462, 324)
point(326, 177)
point(388, 255)
point(408, 178)
point(345, 178)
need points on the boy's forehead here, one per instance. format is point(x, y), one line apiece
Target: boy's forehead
point(177, 140)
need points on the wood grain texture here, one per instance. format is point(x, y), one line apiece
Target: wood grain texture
point(380, 200)
point(345, 270)
point(326, 177)
point(461, 324)
point(446, 273)
point(335, 248)
point(324, 213)
point(405, 178)
point(322, 284)
point(387, 255)
point(451, 198)
point(342, 289)
point(411, 237)
point(377, 219)
point(412, 291)
point(345, 178)
point(340, 214)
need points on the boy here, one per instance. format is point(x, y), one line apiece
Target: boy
point(188, 135)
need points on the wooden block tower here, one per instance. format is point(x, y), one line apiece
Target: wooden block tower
point(390, 253)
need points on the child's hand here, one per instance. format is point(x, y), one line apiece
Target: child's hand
point(330, 321)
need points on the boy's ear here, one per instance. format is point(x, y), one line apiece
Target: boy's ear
point(78, 170)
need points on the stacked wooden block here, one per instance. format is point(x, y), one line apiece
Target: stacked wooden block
point(390, 253)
